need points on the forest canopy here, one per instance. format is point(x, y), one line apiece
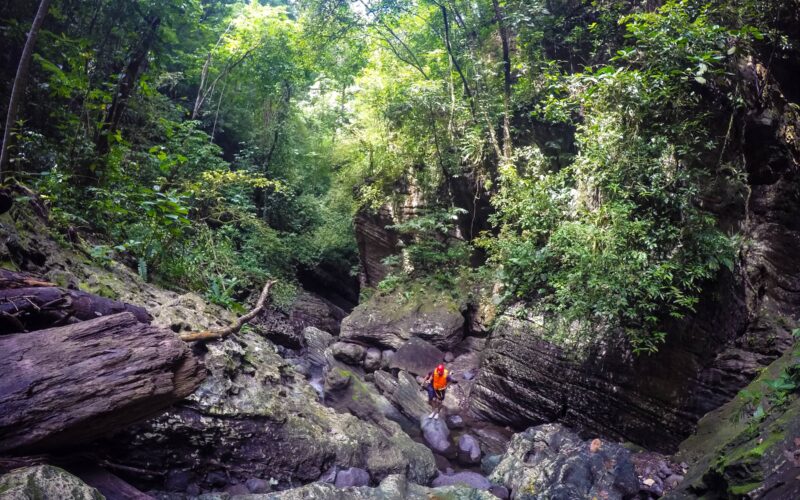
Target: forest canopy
point(565, 148)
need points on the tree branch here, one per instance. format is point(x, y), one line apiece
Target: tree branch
point(224, 332)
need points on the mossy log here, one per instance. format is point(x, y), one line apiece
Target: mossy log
point(65, 386)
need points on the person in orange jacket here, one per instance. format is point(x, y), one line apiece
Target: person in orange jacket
point(436, 384)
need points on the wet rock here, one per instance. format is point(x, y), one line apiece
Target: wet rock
point(310, 310)
point(45, 482)
point(492, 440)
point(405, 393)
point(489, 463)
point(386, 358)
point(372, 360)
point(448, 357)
point(455, 422)
point(390, 321)
point(256, 485)
point(351, 477)
point(349, 353)
point(561, 465)
point(337, 379)
point(317, 341)
point(469, 479)
point(437, 435)
point(673, 481)
point(469, 451)
point(500, 492)
point(417, 357)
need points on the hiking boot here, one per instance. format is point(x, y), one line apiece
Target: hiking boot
point(433, 415)
point(436, 417)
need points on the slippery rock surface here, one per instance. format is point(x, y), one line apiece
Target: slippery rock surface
point(255, 417)
point(738, 452)
point(551, 462)
point(44, 482)
point(437, 435)
point(390, 321)
point(470, 479)
point(394, 487)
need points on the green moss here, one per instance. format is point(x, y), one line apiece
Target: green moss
point(743, 489)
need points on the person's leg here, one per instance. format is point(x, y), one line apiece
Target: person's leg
point(432, 401)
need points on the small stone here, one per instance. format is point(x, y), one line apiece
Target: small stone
point(372, 360)
point(469, 451)
point(448, 357)
point(455, 421)
point(256, 485)
point(471, 479)
point(237, 489)
point(673, 481)
point(500, 492)
point(352, 477)
point(337, 380)
point(216, 479)
point(469, 374)
point(386, 358)
point(649, 482)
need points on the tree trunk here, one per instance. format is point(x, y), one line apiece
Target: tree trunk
point(127, 85)
point(33, 308)
point(20, 81)
point(501, 26)
point(66, 386)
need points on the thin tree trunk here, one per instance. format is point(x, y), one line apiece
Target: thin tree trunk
point(126, 87)
point(20, 80)
point(448, 45)
point(506, 81)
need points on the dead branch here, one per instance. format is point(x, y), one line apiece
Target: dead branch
point(243, 320)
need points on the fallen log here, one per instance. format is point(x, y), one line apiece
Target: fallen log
point(64, 386)
point(37, 307)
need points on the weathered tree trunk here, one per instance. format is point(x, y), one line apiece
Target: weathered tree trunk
point(127, 86)
point(65, 386)
point(28, 303)
point(20, 80)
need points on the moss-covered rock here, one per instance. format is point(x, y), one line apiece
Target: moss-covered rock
point(45, 482)
point(748, 448)
point(388, 321)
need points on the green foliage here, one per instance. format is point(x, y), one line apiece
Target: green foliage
point(617, 238)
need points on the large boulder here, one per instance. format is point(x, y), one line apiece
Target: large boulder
point(45, 482)
point(317, 341)
point(437, 435)
point(551, 462)
point(469, 450)
point(389, 321)
point(255, 417)
point(417, 357)
point(352, 476)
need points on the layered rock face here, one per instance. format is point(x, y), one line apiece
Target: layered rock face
point(743, 320)
point(45, 482)
point(375, 243)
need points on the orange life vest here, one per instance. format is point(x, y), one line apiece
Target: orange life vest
point(440, 381)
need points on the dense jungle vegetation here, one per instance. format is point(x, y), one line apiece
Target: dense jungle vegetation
point(563, 147)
